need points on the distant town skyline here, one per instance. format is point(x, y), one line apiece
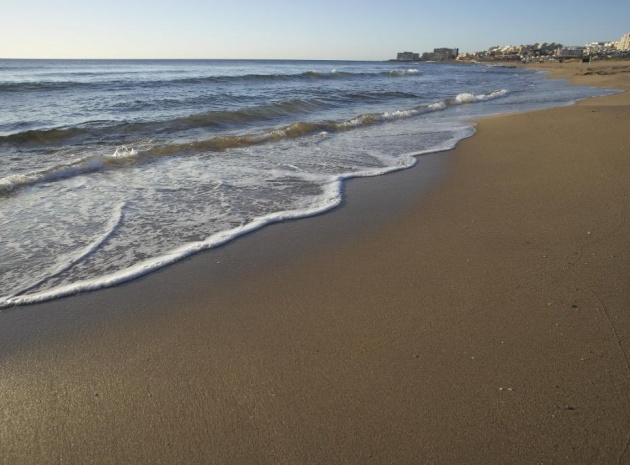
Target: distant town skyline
point(283, 29)
point(525, 52)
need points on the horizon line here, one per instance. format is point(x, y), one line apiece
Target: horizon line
point(191, 59)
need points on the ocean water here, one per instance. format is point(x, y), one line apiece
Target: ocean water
point(112, 169)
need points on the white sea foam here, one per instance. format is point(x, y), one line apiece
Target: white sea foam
point(110, 228)
point(389, 115)
point(123, 153)
point(437, 106)
point(399, 114)
point(472, 98)
point(59, 172)
point(404, 72)
point(55, 173)
point(232, 177)
point(330, 198)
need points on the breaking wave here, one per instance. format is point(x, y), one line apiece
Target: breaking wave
point(472, 98)
point(114, 81)
point(56, 173)
point(227, 119)
point(125, 155)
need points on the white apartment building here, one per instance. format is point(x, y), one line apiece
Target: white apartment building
point(624, 43)
point(570, 52)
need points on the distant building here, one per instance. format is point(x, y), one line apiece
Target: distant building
point(601, 49)
point(570, 52)
point(446, 53)
point(441, 54)
point(624, 43)
point(594, 47)
point(407, 56)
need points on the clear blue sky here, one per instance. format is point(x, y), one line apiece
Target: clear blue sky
point(325, 29)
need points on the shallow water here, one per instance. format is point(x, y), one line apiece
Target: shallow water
point(110, 169)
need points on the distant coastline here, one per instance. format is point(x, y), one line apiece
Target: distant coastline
point(538, 52)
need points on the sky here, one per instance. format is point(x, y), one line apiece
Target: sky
point(285, 29)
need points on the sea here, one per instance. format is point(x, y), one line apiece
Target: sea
point(112, 169)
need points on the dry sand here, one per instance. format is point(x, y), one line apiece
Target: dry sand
point(484, 318)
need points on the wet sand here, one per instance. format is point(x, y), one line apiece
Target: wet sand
point(480, 318)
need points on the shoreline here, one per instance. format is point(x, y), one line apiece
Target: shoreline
point(464, 324)
point(18, 298)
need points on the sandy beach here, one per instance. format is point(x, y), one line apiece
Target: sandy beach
point(472, 309)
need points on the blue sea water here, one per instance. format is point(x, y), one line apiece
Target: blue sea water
point(111, 169)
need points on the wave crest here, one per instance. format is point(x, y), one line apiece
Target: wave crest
point(403, 72)
point(59, 172)
point(124, 155)
point(472, 98)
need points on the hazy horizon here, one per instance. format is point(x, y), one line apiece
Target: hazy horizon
point(283, 30)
